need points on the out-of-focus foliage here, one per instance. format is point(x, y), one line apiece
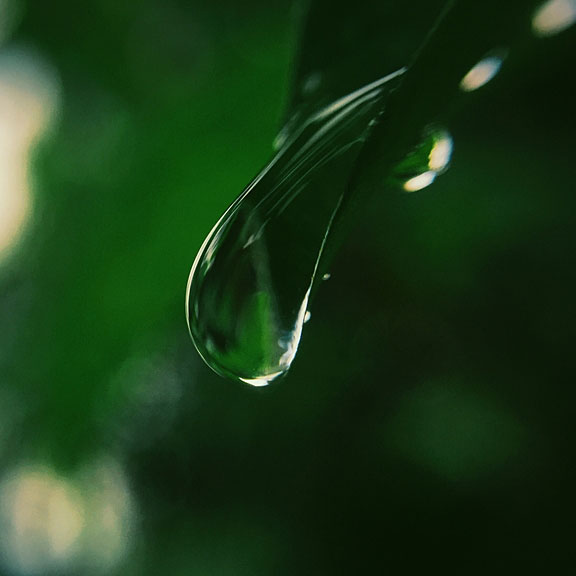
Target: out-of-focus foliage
point(428, 422)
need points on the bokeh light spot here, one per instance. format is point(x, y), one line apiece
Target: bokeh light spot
point(553, 17)
point(28, 96)
point(52, 524)
point(481, 73)
point(41, 519)
point(456, 432)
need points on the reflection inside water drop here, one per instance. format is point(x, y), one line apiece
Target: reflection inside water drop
point(250, 284)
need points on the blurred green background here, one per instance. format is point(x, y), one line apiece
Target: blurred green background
point(428, 421)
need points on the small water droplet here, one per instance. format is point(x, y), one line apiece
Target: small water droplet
point(250, 284)
point(326, 276)
point(307, 316)
point(430, 158)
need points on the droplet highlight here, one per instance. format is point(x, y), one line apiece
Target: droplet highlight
point(420, 182)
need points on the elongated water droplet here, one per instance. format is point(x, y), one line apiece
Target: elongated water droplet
point(250, 284)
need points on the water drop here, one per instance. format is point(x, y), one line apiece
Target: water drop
point(430, 158)
point(250, 284)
